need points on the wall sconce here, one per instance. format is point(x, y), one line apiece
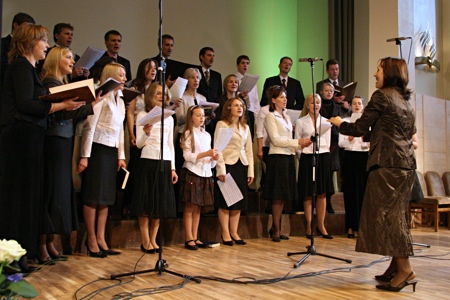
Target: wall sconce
point(428, 61)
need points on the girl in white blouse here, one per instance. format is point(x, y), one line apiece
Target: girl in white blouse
point(236, 159)
point(353, 171)
point(154, 196)
point(305, 131)
point(102, 145)
point(196, 183)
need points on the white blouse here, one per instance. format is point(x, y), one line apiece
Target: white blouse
point(357, 144)
point(305, 129)
point(151, 145)
point(201, 167)
point(105, 126)
point(181, 111)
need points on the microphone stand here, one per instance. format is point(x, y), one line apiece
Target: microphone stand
point(311, 249)
point(161, 264)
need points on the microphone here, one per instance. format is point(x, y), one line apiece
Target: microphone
point(400, 38)
point(309, 59)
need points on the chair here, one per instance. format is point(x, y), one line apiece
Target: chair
point(435, 201)
point(446, 181)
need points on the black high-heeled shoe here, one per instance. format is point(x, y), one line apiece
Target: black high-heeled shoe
point(147, 251)
point(282, 236)
point(109, 251)
point(228, 243)
point(385, 277)
point(238, 242)
point(190, 247)
point(46, 261)
point(98, 254)
point(58, 257)
point(325, 236)
point(398, 288)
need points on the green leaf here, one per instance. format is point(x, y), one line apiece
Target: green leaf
point(23, 288)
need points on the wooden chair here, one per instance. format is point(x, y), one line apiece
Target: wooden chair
point(435, 201)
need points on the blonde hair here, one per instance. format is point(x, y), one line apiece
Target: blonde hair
point(189, 126)
point(26, 36)
point(110, 70)
point(52, 61)
point(305, 109)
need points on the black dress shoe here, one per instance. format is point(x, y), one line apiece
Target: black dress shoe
point(325, 236)
point(309, 236)
point(190, 247)
point(201, 244)
point(147, 251)
point(284, 237)
point(238, 242)
point(228, 243)
point(109, 251)
point(98, 254)
point(46, 261)
point(58, 257)
point(351, 235)
point(385, 277)
point(276, 239)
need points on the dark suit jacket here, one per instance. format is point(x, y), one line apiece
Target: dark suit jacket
point(212, 93)
point(391, 119)
point(6, 46)
point(174, 68)
point(124, 62)
point(295, 96)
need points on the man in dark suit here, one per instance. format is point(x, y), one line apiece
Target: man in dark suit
point(293, 87)
point(18, 19)
point(113, 42)
point(211, 83)
point(333, 78)
point(174, 68)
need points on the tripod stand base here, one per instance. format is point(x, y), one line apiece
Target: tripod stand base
point(160, 267)
point(311, 250)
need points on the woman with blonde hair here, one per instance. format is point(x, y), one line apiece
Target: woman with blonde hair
point(102, 155)
point(23, 121)
point(236, 159)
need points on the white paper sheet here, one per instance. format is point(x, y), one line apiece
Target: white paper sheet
point(355, 116)
point(154, 116)
point(293, 115)
point(230, 191)
point(206, 104)
point(178, 88)
point(223, 138)
point(324, 126)
point(89, 57)
point(248, 82)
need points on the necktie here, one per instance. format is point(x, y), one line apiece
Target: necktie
point(335, 82)
point(195, 101)
point(283, 83)
point(207, 77)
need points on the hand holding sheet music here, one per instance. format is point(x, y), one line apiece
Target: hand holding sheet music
point(178, 88)
point(247, 83)
point(89, 57)
point(230, 191)
point(154, 116)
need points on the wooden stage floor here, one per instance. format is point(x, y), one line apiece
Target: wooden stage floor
point(260, 260)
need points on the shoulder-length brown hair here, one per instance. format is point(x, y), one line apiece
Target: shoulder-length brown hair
point(274, 92)
point(395, 75)
point(150, 94)
point(26, 36)
point(226, 113)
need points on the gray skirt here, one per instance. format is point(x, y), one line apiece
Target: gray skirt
point(384, 223)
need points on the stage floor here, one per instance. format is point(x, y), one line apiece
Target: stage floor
point(260, 260)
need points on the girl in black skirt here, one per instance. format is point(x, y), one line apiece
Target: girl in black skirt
point(153, 195)
point(280, 186)
point(304, 130)
point(196, 184)
point(236, 159)
point(102, 146)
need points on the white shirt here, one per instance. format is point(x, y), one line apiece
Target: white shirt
point(181, 111)
point(253, 98)
point(105, 126)
point(260, 128)
point(201, 167)
point(305, 129)
point(151, 145)
point(357, 144)
point(279, 130)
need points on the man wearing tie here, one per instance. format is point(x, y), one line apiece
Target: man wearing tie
point(333, 77)
point(293, 87)
point(113, 42)
point(210, 84)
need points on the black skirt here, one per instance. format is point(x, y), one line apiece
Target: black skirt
point(100, 177)
point(324, 179)
point(60, 211)
point(197, 190)
point(153, 193)
point(280, 182)
point(239, 173)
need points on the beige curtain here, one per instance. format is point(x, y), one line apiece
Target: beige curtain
point(341, 36)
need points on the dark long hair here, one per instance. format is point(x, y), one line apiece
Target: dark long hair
point(140, 81)
point(395, 73)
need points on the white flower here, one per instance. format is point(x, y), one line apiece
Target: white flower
point(10, 251)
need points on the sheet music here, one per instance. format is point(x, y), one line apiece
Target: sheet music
point(89, 57)
point(154, 116)
point(230, 191)
point(178, 88)
point(293, 114)
point(223, 138)
point(324, 126)
point(206, 104)
point(248, 82)
point(355, 116)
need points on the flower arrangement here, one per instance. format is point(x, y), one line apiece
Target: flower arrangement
point(13, 286)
